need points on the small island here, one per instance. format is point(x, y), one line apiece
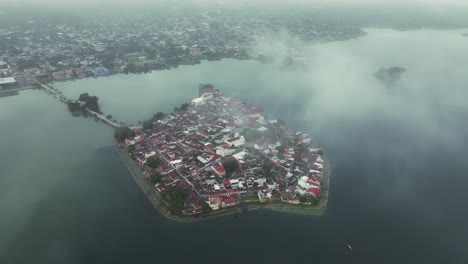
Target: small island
point(391, 75)
point(465, 34)
point(218, 155)
point(84, 104)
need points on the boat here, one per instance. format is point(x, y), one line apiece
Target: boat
point(350, 248)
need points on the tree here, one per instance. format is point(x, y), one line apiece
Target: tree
point(131, 148)
point(183, 107)
point(147, 124)
point(155, 178)
point(158, 116)
point(206, 207)
point(231, 166)
point(175, 197)
point(281, 149)
point(267, 170)
point(91, 102)
point(152, 162)
point(121, 133)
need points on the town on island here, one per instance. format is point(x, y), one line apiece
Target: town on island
point(218, 155)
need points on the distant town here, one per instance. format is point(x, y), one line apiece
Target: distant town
point(58, 50)
point(218, 153)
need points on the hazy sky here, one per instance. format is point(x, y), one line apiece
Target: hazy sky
point(114, 3)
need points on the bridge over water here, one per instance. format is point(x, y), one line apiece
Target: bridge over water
point(65, 100)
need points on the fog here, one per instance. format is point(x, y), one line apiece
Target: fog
point(386, 129)
point(351, 112)
point(266, 3)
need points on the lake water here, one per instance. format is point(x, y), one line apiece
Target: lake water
point(398, 154)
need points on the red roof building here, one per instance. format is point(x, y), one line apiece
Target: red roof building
point(219, 170)
point(229, 201)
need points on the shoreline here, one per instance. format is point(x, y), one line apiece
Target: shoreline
point(160, 205)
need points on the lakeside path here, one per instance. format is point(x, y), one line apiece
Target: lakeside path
point(160, 205)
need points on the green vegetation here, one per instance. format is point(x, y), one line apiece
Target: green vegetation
point(121, 133)
point(148, 124)
point(252, 135)
point(155, 178)
point(131, 148)
point(90, 102)
point(267, 170)
point(281, 149)
point(206, 207)
point(152, 162)
point(74, 107)
point(83, 102)
point(183, 107)
point(231, 166)
point(175, 197)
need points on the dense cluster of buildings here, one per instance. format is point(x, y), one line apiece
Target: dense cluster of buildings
point(76, 48)
point(221, 149)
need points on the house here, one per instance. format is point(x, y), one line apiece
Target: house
point(229, 201)
point(314, 191)
point(214, 202)
point(224, 151)
point(264, 195)
point(218, 170)
point(236, 142)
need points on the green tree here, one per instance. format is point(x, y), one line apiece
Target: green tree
point(152, 162)
point(131, 148)
point(206, 207)
point(175, 197)
point(121, 133)
point(267, 170)
point(183, 107)
point(231, 166)
point(155, 178)
point(281, 149)
point(148, 124)
point(158, 116)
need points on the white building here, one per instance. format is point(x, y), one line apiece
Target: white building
point(198, 101)
point(236, 142)
point(224, 152)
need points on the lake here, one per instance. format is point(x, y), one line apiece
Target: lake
point(398, 155)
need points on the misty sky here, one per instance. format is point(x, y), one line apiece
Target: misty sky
point(114, 3)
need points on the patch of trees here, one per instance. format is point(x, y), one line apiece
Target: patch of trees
point(22, 64)
point(155, 178)
point(281, 149)
point(267, 170)
point(175, 197)
point(231, 166)
point(252, 135)
point(206, 207)
point(121, 133)
point(148, 124)
point(151, 162)
point(183, 107)
point(90, 102)
point(74, 106)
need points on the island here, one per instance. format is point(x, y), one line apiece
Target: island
point(84, 104)
point(465, 34)
point(218, 155)
point(391, 75)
